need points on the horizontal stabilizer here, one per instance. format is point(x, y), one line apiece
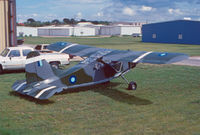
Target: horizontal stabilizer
point(36, 91)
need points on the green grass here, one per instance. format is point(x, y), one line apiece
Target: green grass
point(167, 102)
point(124, 43)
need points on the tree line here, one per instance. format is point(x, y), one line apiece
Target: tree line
point(33, 23)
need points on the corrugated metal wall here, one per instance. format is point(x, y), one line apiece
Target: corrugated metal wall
point(129, 30)
point(53, 32)
point(66, 31)
point(83, 31)
point(7, 23)
point(110, 30)
point(177, 32)
point(27, 31)
point(4, 36)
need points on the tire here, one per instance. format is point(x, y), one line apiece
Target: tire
point(132, 86)
point(1, 69)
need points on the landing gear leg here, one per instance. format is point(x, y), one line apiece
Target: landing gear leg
point(131, 85)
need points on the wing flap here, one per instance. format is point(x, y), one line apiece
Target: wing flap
point(58, 46)
point(81, 50)
point(73, 49)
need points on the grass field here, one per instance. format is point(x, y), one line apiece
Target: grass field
point(167, 101)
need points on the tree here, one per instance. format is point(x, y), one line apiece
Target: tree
point(66, 21)
point(56, 22)
point(95, 22)
point(83, 20)
point(47, 23)
point(30, 20)
point(73, 21)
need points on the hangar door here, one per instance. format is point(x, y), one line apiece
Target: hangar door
point(59, 32)
point(53, 32)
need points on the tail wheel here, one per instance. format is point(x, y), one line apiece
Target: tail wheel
point(132, 86)
point(1, 69)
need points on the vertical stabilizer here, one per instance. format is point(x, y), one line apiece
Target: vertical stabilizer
point(37, 68)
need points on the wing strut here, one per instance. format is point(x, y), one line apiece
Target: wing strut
point(124, 79)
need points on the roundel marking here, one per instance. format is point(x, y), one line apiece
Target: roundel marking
point(72, 79)
point(162, 54)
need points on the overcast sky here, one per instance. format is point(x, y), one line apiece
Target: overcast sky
point(108, 10)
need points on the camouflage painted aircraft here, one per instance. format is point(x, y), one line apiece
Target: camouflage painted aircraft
point(99, 66)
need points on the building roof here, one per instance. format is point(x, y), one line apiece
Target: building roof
point(84, 23)
point(174, 21)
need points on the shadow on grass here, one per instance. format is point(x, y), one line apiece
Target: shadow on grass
point(12, 72)
point(109, 90)
point(31, 99)
point(106, 89)
point(196, 102)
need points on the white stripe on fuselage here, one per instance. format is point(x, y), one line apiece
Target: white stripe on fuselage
point(44, 90)
point(20, 86)
point(141, 56)
point(67, 47)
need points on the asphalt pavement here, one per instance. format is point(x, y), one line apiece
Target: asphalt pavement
point(192, 61)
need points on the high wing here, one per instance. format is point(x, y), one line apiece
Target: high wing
point(74, 49)
point(117, 55)
point(145, 57)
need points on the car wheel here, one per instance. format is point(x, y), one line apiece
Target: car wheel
point(1, 69)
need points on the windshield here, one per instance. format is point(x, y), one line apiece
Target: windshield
point(95, 56)
point(5, 52)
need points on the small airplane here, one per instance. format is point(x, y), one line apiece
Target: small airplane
point(99, 66)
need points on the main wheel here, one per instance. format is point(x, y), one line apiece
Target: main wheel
point(132, 86)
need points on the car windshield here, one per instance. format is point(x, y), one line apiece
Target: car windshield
point(5, 52)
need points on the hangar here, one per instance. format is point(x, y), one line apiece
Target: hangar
point(27, 31)
point(66, 31)
point(120, 30)
point(175, 32)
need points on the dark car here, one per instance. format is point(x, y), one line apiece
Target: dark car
point(136, 35)
point(20, 41)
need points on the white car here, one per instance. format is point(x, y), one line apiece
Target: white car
point(43, 48)
point(14, 58)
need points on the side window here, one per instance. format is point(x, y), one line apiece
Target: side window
point(154, 36)
point(45, 47)
point(14, 53)
point(180, 36)
point(26, 51)
point(38, 47)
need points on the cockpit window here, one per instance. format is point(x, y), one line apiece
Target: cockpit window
point(95, 56)
point(117, 65)
point(5, 52)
